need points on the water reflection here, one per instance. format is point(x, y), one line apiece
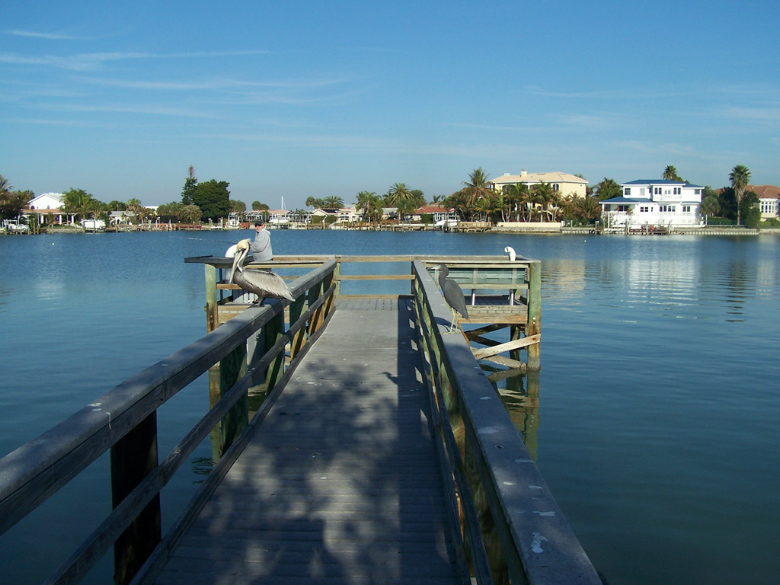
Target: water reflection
point(519, 394)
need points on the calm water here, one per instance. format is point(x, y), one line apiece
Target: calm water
point(659, 405)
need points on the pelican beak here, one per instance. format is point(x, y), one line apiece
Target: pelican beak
point(237, 259)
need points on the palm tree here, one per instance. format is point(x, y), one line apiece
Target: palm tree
point(477, 185)
point(5, 186)
point(588, 208)
point(398, 194)
point(740, 177)
point(333, 202)
point(670, 174)
point(518, 195)
point(314, 202)
point(371, 205)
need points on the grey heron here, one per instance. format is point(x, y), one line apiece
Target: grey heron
point(263, 283)
point(453, 294)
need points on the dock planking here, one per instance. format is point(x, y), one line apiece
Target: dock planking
point(341, 482)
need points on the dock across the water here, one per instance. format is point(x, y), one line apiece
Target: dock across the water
point(381, 453)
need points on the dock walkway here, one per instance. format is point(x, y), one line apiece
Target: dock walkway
point(341, 482)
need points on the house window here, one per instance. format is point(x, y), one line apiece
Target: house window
point(644, 209)
point(657, 191)
point(556, 187)
point(686, 208)
point(627, 191)
point(678, 191)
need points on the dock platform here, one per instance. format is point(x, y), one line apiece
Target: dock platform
point(341, 482)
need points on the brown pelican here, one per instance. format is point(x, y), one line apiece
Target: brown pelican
point(263, 283)
point(453, 294)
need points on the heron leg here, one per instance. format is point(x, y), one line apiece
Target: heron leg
point(453, 323)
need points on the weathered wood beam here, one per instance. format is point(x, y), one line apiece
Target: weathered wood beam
point(508, 346)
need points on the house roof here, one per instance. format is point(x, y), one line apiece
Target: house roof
point(555, 177)
point(765, 191)
point(434, 209)
point(661, 182)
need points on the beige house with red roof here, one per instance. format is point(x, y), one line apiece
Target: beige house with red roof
point(768, 200)
point(563, 183)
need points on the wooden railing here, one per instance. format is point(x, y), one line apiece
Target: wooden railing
point(513, 528)
point(125, 421)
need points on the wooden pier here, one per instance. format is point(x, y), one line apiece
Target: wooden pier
point(381, 453)
point(340, 482)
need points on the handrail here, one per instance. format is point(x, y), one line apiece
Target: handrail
point(537, 544)
point(35, 471)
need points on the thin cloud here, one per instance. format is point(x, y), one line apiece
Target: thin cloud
point(40, 35)
point(212, 84)
point(148, 110)
point(91, 61)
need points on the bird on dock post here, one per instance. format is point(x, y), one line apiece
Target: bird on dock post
point(511, 251)
point(453, 294)
point(263, 283)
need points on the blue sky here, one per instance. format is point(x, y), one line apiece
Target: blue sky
point(298, 99)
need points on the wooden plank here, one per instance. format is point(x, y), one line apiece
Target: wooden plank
point(508, 346)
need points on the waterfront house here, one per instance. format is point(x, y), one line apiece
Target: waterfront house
point(768, 200)
point(440, 213)
point(562, 183)
point(653, 203)
point(48, 208)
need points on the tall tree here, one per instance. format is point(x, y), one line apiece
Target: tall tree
point(213, 198)
point(13, 202)
point(477, 185)
point(5, 186)
point(519, 196)
point(332, 202)
point(399, 195)
point(607, 189)
point(188, 192)
point(371, 205)
point(710, 205)
point(315, 203)
point(739, 177)
point(670, 174)
point(237, 206)
point(77, 201)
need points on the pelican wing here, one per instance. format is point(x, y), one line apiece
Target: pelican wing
point(263, 283)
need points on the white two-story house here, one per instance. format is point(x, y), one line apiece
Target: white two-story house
point(655, 202)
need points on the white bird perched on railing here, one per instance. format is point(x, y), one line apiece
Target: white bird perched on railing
point(511, 251)
point(263, 283)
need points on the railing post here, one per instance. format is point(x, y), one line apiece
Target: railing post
point(211, 297)
point(299, 337)
point(132, 458)
point(316, 317)
point(534, 325)
point(273, 331)
point(231, 369)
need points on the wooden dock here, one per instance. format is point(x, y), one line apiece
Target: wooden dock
point(340, 483)
point(380, 454)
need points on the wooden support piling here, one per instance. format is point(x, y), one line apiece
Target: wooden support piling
point(132, 459)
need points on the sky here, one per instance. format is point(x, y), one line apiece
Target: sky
point(287, 100)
